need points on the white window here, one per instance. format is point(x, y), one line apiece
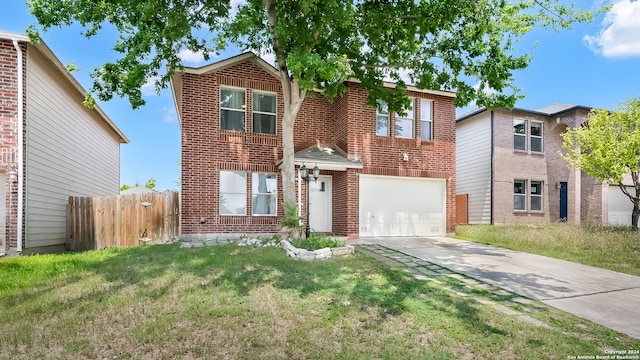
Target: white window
point(382, 119)
point(519, 134)
point(519, 195)
point(536, 196)
point(264, 113)
point(232, 109)
point(426, 119)
point(233, 193)
point(527, 132)
point(263, 193)
point(405, 125)
point(536, 136)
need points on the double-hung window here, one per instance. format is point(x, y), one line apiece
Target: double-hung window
point(535, 136)
point(527, 135)
point(263, 193)
point(382, 118)
point(426, 119)
point(264, 113)
point(232, 109)
point(519, 134)
point(519, 195)
point(405, 125)
point(233, 193)
point(536, 196)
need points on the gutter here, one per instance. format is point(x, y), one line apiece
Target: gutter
point(20, 144)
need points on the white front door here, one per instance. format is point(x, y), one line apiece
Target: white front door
point(320, 204)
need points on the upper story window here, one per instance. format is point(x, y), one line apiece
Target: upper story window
point(405, 125)
point(382, 119)
point(264, 113)
point(263, 194)
point(232, 109)
point(233, 193)
point(536, 136)
point(527, 135)
point(426, 119)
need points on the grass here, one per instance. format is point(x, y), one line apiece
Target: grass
point(613, 248)
point(227, 302)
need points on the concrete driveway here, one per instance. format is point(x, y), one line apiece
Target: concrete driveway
point(605, 297)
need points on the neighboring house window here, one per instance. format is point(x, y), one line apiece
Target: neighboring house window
point(405, 125)
point(519, 134)
point(232, 109)
point(536, 136)
point(264, 113)
point(519, 195)
point(536, 196)
point(264, 196)
point(426, 120)
point(233, 193)
point(382, 119)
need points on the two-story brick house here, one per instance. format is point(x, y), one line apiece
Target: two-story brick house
point(51, 147)
point(509, 165)
point(373, 181)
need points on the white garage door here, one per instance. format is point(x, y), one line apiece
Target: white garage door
point(620, 207)
point(402, 206)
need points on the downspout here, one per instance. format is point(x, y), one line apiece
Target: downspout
point(491, 185)
point(20, 144)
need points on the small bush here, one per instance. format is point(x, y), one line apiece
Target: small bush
point(317, 241)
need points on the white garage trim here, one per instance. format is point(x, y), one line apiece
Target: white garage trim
point(402, 206)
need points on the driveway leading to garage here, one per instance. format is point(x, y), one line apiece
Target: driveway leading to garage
point(605, 297)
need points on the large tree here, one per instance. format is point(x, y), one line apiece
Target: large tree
point(462, 45)
point(607, 147)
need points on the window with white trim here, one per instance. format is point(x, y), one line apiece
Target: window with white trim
point(536, 136)
point(519, 134)
point(426, 119)
point(264, 113)
point(535, 196)
point(405, 125)
point(527, 135)
point(519, 195)
point(233, 193)
point(232, 109)
point(382, 118)
point(263, 194)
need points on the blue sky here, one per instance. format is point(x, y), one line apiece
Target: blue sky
point(596, 64)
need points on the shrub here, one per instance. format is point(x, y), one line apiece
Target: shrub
point(317, 241)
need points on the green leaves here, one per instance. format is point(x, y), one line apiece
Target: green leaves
point(458, 45)
point(607, 147)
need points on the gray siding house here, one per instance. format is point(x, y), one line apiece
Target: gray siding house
point(51, 147)
point(508, 163)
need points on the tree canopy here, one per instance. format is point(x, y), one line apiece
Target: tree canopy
point(465, 46)
point(607, 147)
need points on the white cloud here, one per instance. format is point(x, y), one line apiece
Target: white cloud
point(191, 57)
point(149, 88)
point(169, 115)
point(620, 34)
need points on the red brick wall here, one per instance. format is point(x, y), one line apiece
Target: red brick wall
point(347, 122)
point(9, 132)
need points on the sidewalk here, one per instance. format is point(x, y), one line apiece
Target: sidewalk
point(605, 297)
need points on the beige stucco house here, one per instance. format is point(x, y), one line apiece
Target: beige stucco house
point(51, 147)
point(508, 164)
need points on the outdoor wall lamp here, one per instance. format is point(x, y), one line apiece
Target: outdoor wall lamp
point(306, 177)
point(13, 175)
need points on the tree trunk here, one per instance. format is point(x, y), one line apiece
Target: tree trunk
point(635, 214)
point(288, 166)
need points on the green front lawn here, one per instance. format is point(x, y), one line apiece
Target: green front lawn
point(228, 302)
point(613, 248)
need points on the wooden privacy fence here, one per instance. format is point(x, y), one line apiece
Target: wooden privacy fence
point(127, 220)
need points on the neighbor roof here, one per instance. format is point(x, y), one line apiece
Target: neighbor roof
point(49, 55)
point(552, 110)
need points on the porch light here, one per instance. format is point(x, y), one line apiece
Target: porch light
point(306, 177)
point(13, 174)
